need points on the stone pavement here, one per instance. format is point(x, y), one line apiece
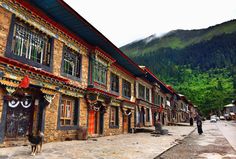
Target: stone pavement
point(125, 146)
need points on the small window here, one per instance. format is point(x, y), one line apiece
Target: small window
point(147, 94)
point(114, 117)
point(114, 82)
point(141, 91)
point(68, 112)
point(71, 63)
point(126, 88)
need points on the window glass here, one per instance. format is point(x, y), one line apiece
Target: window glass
point(141, 91)
point(147, 94)
point(126, 88)
point(31, 44)
point(100, 72)
point(114, 82)
point(68, 112)
point(71, 62)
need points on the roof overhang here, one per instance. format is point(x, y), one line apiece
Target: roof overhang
point(61, 15)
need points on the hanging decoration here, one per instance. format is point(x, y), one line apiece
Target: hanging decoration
point(10, 90)
point(160, 108)
point(97, 107)
point(49, 98)
point(127, 112)
point(24, 82)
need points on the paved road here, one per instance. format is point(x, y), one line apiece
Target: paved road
point(228, 129)
point(126, 146)
point(212, 144)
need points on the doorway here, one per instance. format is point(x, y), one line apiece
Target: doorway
point(19, 117)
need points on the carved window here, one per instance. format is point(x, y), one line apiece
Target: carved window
point(126, 88)
point(114, 82)
point(141, 91)
point(68, 111)
point(100, 72)
point(71, 63)
point(147, 94)
point(159, 100)
point(31, 44)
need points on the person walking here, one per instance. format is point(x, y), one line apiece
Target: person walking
point(191, 121)
point(199, 125)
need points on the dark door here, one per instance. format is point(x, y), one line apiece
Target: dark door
point(101, 124)
point(142, 122)
point(129, 124)
point(19, 118)
point(163, 118)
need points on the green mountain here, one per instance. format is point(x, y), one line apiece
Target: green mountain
point(198, 63)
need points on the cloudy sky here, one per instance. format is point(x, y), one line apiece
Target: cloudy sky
point(124, 21)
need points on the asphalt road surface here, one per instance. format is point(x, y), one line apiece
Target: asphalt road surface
point(217, 141)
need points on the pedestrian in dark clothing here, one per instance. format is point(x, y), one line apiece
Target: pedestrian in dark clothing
point(191, 121)
point(199, 125)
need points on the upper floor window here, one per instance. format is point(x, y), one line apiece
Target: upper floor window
point(114, 82)
point(141, 91)
point(126, 88)
point(100, 72)
point(68, 112)
point(156, 98)
point(31, 44)
point(159, 99)
point(162, 100)
point(147, 94)
point(71, 63)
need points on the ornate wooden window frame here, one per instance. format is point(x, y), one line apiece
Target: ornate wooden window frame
point(28, 34)
point(74, 58)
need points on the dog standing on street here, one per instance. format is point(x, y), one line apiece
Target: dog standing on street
point(36, 142)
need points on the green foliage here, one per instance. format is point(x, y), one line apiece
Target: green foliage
point(200, 64)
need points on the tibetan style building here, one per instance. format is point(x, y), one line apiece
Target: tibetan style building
point(61, 76)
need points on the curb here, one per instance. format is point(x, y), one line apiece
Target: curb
point(174, 144)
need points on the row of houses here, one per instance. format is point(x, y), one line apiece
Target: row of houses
point(60, 75)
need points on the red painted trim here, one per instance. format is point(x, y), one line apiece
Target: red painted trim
point(104, 53)
point(66, 6)
point(101, 91)
point(40, 13)
point(13, 63)
point(123, 70)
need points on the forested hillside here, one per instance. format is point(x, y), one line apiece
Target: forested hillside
point(200, 64)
